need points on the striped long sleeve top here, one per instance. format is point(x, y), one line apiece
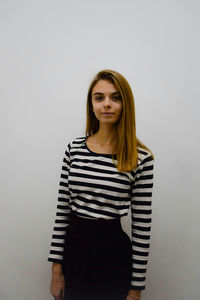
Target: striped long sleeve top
point(92, 187)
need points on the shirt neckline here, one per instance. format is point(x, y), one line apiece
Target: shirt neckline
point(102, 154)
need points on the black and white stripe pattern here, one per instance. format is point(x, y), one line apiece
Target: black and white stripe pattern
point(91, 185)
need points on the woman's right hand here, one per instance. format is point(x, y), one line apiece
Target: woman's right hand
point(57, 287)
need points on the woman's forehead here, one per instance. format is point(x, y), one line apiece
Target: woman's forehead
point(104, 86)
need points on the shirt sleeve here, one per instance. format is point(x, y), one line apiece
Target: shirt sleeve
point(141, 212)
point(63, 212)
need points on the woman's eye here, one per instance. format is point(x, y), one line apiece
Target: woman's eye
point(117, 97)
point(114, 97)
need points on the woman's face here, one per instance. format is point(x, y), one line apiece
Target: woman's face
point(106, 102)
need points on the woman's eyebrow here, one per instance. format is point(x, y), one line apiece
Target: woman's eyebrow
point(102, 93)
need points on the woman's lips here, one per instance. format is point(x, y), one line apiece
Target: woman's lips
point(107, 114)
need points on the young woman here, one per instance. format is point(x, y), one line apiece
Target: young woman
point(103, 174)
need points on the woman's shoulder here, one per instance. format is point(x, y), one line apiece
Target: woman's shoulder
point(144, 155)
point(76, 142)
point(143, 152)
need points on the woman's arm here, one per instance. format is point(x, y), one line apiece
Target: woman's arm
point(62, 221)
point(56, 269)
point(134, 295)
point(63, 212)
point(141, 213)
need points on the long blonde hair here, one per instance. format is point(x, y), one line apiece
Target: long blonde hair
point(126, 140)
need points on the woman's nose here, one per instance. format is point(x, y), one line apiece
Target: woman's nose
point(107, 101)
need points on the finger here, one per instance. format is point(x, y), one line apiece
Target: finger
point(63, 293)
point(58, 297)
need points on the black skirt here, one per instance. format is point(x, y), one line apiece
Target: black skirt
point(97, 260)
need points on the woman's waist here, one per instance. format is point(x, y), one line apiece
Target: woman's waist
point(94, 227)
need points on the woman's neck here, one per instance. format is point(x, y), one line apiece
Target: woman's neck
point(105, 137)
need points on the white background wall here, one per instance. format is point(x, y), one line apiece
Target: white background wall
point(49, 53)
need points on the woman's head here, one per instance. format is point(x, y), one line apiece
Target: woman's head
point(106, 104)
point(111, 81)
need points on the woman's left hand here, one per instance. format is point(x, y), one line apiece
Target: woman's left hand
point(134, 295)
